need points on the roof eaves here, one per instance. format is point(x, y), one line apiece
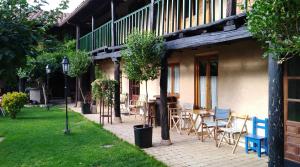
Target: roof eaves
point(79, 8)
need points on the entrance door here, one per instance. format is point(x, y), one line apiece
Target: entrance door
point(134, 90)
point(206, 78)
point(292, 109)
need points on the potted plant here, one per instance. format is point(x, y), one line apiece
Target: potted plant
point(142, 58)
point(79, 63)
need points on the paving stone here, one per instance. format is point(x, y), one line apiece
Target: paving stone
point(186, 150)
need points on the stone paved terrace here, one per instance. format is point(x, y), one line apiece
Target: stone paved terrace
point(186, 150)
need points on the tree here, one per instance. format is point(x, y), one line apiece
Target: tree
point(80, 62)
point(142, 58)
point(22, 28)
point(276, 23)
point(34, 70)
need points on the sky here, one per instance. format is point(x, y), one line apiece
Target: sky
point(54, 3)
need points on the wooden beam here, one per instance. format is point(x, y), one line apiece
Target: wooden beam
point(104, 55)
point(165, 129)
point(117, 90)
point(209, 38)
point(231, 8)
point(276, 117)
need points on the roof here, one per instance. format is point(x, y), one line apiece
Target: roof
point(86, 6)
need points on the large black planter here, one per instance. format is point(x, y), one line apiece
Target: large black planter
point(143, 136)
point(85, 108)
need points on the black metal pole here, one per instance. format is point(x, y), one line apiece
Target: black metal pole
point(67, 130)
point(47, 92)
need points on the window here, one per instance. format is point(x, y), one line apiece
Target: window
point(173, 79)
point(206, 79)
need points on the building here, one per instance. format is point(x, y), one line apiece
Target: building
point(212, 60)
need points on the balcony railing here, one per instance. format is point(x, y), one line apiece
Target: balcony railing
point(169, 16)
point(102, 36)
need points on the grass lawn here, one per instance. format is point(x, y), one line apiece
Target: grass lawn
point(36, 138)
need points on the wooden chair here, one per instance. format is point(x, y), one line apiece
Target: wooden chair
point(257, 142)
point(232, 131)
point(137, 103)
point(178, 116)
point(220, 119)
point(124, 104)
point(152, 113)
point(174, 117)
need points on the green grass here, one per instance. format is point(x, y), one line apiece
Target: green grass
point(36, 138)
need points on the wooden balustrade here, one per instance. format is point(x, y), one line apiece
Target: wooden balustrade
point(138, 20)
point(169, 16)
point(102, 36)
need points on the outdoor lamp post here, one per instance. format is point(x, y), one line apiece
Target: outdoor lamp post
point(65, 66)
point(48, 71)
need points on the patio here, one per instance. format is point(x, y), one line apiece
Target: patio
point(186, 150)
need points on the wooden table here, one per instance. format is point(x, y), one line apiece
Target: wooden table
point(199, 113)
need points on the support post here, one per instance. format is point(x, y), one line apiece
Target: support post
point(151, 16)
point(276, 119)
point(112, 5)
point(77, 37)
point(93, 28)
point(165, 129)
point(117, 90)
point(77, 48)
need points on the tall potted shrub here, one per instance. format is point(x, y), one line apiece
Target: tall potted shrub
point(142, 63)
point(79, 63)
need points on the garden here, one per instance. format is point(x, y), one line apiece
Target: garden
point(35, 138)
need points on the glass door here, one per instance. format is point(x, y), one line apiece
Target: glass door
point(206, 79)
point(134, 90)
point(292, 109)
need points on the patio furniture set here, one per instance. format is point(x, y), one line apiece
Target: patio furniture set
point(221, 125)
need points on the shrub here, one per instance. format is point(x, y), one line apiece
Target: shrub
point(13, 102)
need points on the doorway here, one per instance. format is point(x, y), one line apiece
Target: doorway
point(292, 109)
point(134, 90)
point(206, 79)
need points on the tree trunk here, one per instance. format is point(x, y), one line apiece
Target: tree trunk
point(44, 94)
point(276, 123)
point(146, 107)
point(21, 85)
point(80, 90)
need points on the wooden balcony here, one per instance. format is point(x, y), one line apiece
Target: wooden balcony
point(164, 18)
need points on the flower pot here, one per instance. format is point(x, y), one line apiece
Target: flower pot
point(143, 136)
point(85, 108)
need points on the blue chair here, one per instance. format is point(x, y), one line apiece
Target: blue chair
point(257, 142)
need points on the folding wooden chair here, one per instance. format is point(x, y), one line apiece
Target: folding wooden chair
point(220, 119)
point(124, 104)
point(174, 115)
point(232, 131)
point(178, 116)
